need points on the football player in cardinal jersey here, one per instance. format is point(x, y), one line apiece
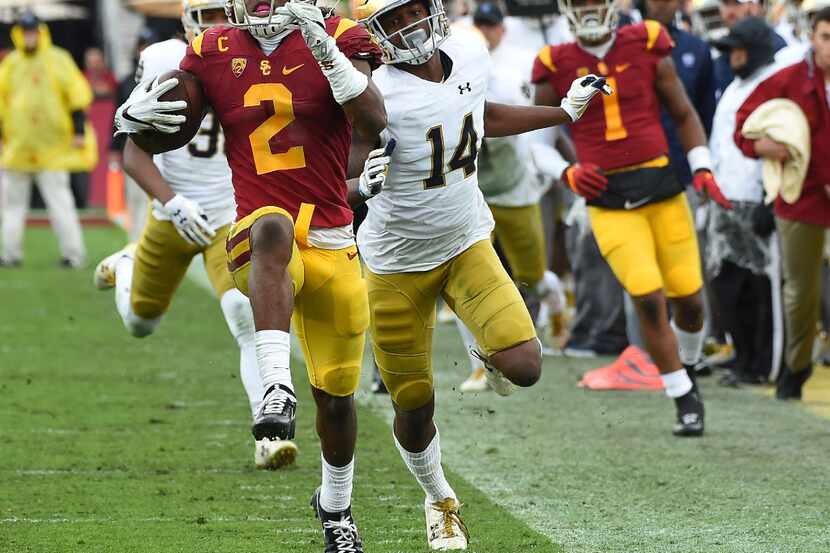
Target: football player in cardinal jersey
point(427, 233)
point(290, 87)
point(638, 210)
point(192, 211)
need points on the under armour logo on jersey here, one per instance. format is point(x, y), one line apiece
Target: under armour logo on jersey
point(462, 88)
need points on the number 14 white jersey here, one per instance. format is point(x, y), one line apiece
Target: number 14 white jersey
point(431, 208)
point(198, 171)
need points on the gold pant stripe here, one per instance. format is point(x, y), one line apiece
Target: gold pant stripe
point(657, 162)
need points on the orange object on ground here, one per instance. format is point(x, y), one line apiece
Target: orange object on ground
point(116, 204)
point(632, 370)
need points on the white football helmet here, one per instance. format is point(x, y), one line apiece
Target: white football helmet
point(192, 14)
point(589, 21)
point(418, 45)
point(259, 25)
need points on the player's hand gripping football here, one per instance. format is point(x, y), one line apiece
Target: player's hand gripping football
point(375, 170)
point(143, 111)
point(190, 220)
point(581, 92)
point(309, 19)
point(704, 183)
point(586, 179)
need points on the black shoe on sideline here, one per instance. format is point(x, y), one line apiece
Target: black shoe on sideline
point(790, 383)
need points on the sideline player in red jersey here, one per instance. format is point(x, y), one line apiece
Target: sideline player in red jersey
point(289, 87)
point(638, 211)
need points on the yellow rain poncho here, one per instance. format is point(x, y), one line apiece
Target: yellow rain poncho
point(38, 93)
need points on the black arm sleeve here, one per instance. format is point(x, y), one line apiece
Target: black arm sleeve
point(78, 121)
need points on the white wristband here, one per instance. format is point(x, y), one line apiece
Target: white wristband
point(347, 83)
point(699, 158)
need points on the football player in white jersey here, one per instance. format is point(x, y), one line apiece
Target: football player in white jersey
point(513, 183)
point(427, 234)
point(192, 209)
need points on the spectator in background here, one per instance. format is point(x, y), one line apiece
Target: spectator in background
point(732, 11)
point(101, 113)
point(802, 225)
point(43, 97)
point(739, 245)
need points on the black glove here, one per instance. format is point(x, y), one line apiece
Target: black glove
point(763, 220)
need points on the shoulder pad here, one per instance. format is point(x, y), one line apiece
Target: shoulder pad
point(213, 41)
point(336, 26)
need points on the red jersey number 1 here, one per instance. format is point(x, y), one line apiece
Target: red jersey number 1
point(265, 160)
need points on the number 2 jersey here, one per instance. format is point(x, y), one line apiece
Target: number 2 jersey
point(288, 140)
point(431, 208)
point(198, 171)
point(625, 129)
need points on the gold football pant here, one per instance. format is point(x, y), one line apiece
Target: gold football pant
point(402, 305)
point(652, 247)
point(522, 238)
point(161, 261)
point(330, 306)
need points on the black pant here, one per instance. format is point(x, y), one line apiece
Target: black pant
point(744, 309)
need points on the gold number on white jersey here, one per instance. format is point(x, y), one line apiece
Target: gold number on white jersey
point(464, 157)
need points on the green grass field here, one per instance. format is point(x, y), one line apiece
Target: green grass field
point(108, 443)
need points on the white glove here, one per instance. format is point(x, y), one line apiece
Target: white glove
point(309, 19)
point(580, 94)
point(190, 220)
point(345, 80)
point(374, 173)
point(142, 111)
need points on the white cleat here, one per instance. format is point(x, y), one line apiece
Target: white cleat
point(445, 529)
point(104, 276)
point(274, 454)
point(494, 377)
point(476, 382)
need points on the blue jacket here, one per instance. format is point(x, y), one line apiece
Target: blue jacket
point(693, 60)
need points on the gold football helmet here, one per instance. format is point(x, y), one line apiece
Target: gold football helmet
point(192, 14)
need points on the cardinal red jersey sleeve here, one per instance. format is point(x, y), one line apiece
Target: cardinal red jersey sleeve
point(193, 60)
point(543, 66)
point(354, 41)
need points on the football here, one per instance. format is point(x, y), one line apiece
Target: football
point(189, 90)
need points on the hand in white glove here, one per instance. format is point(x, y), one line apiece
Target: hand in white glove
point(190, 220)
point(375, 170)
point(581, 92)
point(142, 111)
point(309, 19)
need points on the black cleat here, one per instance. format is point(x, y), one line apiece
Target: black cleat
point(275, 417)
point(690, 412)
point(339, 530)
point(790, 383)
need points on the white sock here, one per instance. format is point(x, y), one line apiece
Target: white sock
point(426, 468)
point(677, 383)
point(336, 491)
point(273, 352)
point(690, 344)
point(237, 310)
point(123, 285)
point(469, 344)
